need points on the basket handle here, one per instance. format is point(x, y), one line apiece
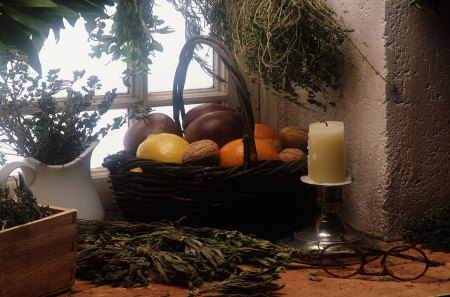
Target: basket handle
point(230, 63)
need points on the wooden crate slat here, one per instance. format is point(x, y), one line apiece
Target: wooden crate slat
point(38, 248)
point(56, 275)
point(39, 258)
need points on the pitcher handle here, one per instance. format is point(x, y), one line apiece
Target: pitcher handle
point(28, 171)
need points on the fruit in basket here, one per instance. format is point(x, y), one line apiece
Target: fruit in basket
point(275, 143)
point(219, 126)
point(294, 137)
point(202, 109)
point(263, 131)
point(164, 147)
point(154, 123)
point(232, 153)
point(203, 153)
point(269, 135)
point(291, 154)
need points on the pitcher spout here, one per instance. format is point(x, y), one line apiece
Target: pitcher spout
point(85, 157)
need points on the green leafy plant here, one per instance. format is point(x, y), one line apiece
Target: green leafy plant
point(23, 209)
point(33, 123)
point(131, 37)
point(25, 24)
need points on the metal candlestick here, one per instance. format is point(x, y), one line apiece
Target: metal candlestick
point(328, 227)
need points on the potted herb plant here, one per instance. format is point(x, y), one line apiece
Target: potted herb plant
point(56, 138)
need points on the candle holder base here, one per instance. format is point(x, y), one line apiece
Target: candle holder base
point(323, 233)
point(328, 227)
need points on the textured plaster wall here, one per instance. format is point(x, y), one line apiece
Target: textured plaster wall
point(418, 115)
point(397, 144)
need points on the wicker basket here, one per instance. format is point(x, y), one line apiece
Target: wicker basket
point(265, 198)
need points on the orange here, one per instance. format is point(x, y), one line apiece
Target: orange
point(265, 132)
point(232, 153)
point(164, 147)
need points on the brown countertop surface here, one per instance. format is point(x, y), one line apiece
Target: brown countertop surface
point(436, 282)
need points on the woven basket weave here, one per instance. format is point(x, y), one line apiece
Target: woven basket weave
point(265, 198)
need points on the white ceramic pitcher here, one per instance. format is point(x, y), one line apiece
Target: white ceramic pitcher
point(68, 186)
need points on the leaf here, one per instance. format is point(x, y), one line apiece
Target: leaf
point(315, 279)
point(38, 41)
point(72, 20)
point(28, 19)
point(32, 3)
point(65, 11)
point(21, 40)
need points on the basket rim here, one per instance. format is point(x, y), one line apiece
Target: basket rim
point(125, 162)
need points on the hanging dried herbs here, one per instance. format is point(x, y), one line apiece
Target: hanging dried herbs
point(131, 37)
point(124, 254)
point(286, 43)
point(23, 209)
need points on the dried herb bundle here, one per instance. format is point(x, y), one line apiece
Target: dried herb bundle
point(286, 43)
point(136, 254)
point(21, 211)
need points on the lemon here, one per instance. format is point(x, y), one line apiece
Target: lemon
point(164, 147)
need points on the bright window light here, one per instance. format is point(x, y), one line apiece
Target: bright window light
point(72, 53)
point(165, 63)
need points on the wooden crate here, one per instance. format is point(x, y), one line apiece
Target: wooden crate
point(39, 258)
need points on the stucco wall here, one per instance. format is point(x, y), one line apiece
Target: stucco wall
point(418, 114)
point(397, 147)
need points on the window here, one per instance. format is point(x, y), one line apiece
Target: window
point(71, 53)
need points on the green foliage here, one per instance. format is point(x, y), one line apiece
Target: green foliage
point(24, 210)
point(285, 43)
point(25, 24)
point(132, 36)
point(432, 230)
point(33, 123)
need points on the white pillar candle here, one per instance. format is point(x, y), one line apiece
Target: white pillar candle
point(326, 160)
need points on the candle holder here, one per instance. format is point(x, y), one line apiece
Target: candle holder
point(328, 227)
